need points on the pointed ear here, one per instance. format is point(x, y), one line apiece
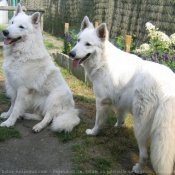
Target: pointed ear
point(102, 32)
point(86, 24)
point(35, 18)
point(18, 9)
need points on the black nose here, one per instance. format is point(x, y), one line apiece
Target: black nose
point(5, 32)
point(72, 54)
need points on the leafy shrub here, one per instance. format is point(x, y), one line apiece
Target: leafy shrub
point(120, 43)
point(160, 48)
point(70, 40)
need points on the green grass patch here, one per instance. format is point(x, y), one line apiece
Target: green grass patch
point(49, 45)
point(65, 73)
point(8, 133)
point(103, 165)
point(84, 99)
point(4, 99)
point(102, 152)
point(2, 28)
point(76, 133)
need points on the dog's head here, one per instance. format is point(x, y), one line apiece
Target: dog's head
point(88, 42)
point(20, 26)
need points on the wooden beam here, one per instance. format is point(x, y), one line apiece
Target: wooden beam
point(11, 8)
point(1, 43)
point(66, 28)
point(128, 42)
point(96, 24)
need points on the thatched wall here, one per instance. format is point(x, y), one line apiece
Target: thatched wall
point(122, 16)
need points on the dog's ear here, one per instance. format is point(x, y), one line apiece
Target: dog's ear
point(35, 18)
point(18, 9)
point(86, 24)
point(102, 32)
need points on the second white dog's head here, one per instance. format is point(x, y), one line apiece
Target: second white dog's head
point(90, 41)
point(20, 26)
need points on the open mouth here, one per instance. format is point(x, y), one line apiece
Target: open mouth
point(78, 61)
point(8, 41)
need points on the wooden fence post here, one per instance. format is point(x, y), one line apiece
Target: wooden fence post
point(42, 22)
point(96, 24)
point(128, 42)
point(66, 28)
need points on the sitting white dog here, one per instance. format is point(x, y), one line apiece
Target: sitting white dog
point(32, 79)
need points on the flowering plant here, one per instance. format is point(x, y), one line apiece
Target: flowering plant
point(160, 48)
point(70, 40)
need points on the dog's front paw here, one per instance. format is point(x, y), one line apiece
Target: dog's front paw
point(4, 115)
point(91, 132)
point(7, 123)
point(119, 124)
point(37, 128)
point(137, 169)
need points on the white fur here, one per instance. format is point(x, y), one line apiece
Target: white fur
point(144, 88)
point(32, 79)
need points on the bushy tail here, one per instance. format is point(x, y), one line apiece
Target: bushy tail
point(66, 121)
point(163, 138)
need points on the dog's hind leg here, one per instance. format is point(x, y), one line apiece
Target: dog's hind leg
point(143, 113)
point(102, 110)
point(142, 143)
point(47, 119)
point(163, 139)
point(121, 115)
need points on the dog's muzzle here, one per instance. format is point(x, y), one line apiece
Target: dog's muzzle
point(8, 40)
point(77, 61)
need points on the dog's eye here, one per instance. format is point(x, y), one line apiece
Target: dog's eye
point(78, 40)
point(87, 44)
point(12, 22)
point(21, 27)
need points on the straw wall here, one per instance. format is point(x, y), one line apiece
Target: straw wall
point(122, 16)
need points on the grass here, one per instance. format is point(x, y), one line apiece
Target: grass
point(49, 45)
point(112, 150)
point(8, 133)
point(2, 28)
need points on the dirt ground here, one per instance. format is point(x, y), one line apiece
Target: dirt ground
point(45, 153)
point(40, 153)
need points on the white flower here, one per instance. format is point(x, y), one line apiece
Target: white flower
point(162, 37)
point(149, 26)
point(172, 38)
point(144, 47)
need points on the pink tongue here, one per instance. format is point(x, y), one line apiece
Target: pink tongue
point(76, 62)
point(7, 41)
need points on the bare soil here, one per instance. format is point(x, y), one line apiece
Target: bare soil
point(45, 153)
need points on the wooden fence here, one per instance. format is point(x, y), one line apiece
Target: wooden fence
point(128, 38)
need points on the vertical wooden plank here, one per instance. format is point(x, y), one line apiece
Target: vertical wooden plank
point(96, 24)
point(42, 22)
point(66, 28)
point(128, 42)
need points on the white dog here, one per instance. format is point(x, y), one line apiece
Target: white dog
point(32, 79)
point(144, 88)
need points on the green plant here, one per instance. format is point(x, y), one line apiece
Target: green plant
point(7, 133)
point(160, 47)
point(49, 45)
point(120, 43)
point(70, 40)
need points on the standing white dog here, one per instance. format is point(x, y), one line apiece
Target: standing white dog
point(32, 79)
point(144, 88)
